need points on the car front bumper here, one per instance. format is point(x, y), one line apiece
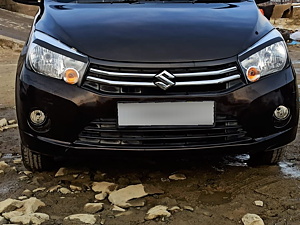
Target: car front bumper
point(71, 109)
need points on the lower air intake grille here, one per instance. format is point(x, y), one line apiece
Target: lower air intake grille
point(105, 132)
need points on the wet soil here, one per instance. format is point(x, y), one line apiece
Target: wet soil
point(220, 189)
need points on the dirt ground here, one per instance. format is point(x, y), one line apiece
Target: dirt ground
point(219, 190)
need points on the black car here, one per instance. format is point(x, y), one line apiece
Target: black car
point(140, 75)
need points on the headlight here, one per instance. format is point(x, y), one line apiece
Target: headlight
point(49, 63)
point(266, 61)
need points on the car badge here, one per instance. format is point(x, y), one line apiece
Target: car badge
point(164, 81)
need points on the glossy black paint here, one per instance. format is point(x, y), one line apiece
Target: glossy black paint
point(140, 34)
point(70, 108)
point(155, 32)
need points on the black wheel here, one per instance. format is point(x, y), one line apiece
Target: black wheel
point(271, 157)
point(35, 161)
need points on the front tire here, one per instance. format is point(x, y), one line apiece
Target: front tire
point(271, 157)
point(34, 161)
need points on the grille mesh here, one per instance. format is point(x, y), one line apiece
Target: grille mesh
point(105, 132)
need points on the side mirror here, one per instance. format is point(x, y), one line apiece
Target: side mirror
point(28, 2)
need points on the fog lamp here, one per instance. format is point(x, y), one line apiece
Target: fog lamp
point(281, 112)
point(71, 76)
point(37, 117)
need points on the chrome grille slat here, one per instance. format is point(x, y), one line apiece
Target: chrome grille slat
point(150, 75)
point(151, 84)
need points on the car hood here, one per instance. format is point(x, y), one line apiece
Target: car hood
point(155, 32)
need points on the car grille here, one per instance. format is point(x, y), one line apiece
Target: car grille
point(105, 132)
point(143, 81)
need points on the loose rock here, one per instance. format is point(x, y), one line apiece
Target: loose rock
point(252, 219)
point(188, 208)
point(85, 218)
point(3, 122)
point(39, 189)
point(3, 165)
point(122, 196)
point(17, 161)
point(10, 205)
point(23, 178)
point(32, 218)
point(101, 196)
point(31, 205)
point(65, 191)
point(259, 203)
point(157, 211)
point(22, 197)
point(2, 220)
point(177, 176)
point(27, 193)
point(1, 172)
point(61, 172)
point(103, 187)
point(54, 188)
point(12, 122)
point(75, 188)
point(118, 209)
point(93, 207)
point(174, 209)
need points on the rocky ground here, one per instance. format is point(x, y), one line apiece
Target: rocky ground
point(179, 190)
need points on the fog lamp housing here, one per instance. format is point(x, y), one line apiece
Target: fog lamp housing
point(37, 117)
point(281, 113)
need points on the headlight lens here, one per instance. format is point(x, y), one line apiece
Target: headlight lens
point(52, 64)
point(266, 61)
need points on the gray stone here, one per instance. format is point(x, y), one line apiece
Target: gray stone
point(84, 218)
point(252, 219)
point(157, 211)
point(93, 207)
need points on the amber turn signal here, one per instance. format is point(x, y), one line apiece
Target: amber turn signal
point(253, 74)
point(71, 76)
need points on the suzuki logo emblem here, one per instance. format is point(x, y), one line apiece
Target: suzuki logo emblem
point(164, 80)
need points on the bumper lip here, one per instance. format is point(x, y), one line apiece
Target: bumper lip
point(67, 148)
